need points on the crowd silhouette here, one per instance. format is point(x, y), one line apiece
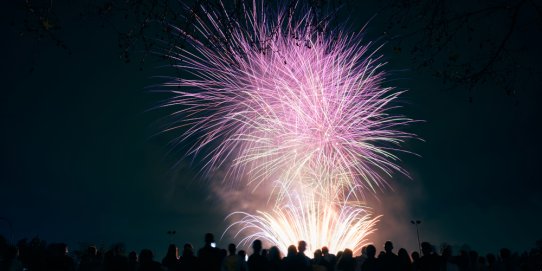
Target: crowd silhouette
point(36, 254)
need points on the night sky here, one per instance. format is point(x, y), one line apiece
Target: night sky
point(81, 161)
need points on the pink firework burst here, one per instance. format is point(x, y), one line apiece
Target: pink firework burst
point(279, 96)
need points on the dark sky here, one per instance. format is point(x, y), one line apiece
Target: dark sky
point(80, 162)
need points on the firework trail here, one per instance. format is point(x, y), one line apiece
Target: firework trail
point(312, 217)
point(275, 95)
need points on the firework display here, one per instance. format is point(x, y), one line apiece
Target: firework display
point(276, 96)
point(311, 217)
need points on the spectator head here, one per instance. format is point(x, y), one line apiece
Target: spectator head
point(58, 249)
point(505, 253)
point(447, 251)
point(242, 254)
point(209, 238)
point(415, 256)
point(11, 253)
point(325, 250)
point(364, 250)
point(132, 256)
point(427, 248)
point(491, 259)
point(188, 250)
point(92, 251)
point(482, 261)
point(274, 253)
point(118, 249)
point(292, 250)
point(403, 255)
point(317, 254)
point(348, 254)
point(146, 256)
point(388, 246)
point(257, 246)
point(301, 246)
point(173, 251)
point(232, 249)
point(371, 251)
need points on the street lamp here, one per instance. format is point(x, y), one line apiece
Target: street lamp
point(416, 223)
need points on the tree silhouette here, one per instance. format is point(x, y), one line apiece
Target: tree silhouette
point(465, 44)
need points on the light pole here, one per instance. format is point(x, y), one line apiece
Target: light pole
point(416, 223)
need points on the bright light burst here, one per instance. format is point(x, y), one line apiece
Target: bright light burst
point(275, 95)
point(310, 217)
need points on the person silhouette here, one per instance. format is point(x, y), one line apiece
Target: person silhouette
point(370, 263)
point(232, 262)
point(115, 260)
point(133, 261)
point(289, 263)
point(389, 261)
point(346, 262)
point(415, 261)
point(492, 261)
point(147, 262)
point(405, 264)
point(361, 258)
point(209, 256)
point(330, 258)
point(430, 261)
point(447, 260)
point(171, 261)
point(243, 259)
point(274, 259)
point(187, 261)
point(256, 261)
point(90, 261)
point(318, 262)
point(304, 261)
point(10, 258)
point(59, 258)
